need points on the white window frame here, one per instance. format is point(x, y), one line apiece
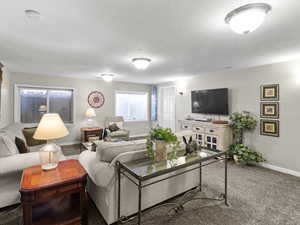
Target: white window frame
point(17, 102)
point(133, 92)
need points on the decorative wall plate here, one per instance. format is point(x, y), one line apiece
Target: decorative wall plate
point(96, 99)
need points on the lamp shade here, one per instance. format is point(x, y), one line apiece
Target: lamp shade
point(90, 112)
point(50, 127)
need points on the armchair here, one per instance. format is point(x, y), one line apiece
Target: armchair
point(121, 133)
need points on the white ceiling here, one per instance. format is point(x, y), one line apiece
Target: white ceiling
point(81, 38)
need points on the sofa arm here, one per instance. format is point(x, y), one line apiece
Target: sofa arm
point(128, 156)
point(18, 162)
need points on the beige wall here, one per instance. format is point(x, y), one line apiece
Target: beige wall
point(82, 88)
point(5, 116)
point(244, 88)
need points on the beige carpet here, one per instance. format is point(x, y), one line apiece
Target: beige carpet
point(257, 196)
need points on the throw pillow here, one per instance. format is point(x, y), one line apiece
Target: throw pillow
point(30, 141)
point(21, 145)
point(10, 145)
point(120, 125)
point(4, 151)
point(113, 127)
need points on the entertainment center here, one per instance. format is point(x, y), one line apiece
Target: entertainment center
point(209, 134)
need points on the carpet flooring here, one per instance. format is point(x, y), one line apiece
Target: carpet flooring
point(257, 196)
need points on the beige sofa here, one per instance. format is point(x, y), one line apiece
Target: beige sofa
point(102, 180)
point(12, 163)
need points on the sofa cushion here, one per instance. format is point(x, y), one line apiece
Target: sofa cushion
point(21, 145)
point(119, 133)
point(107, 151)
point(10, 145)
point(30, 141)
point(4, 151)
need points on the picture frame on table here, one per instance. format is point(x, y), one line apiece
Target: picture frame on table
point(269, 128)
point(269, 92)
point(269, 110)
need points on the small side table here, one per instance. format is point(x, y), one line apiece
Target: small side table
point(87, 132)
point(56, 196)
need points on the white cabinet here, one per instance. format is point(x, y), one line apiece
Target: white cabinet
point(209, 135)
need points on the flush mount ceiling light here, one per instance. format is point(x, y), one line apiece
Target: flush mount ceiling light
point(247, 18)
point(141, 63)
point(32, 14)
point(107, 77)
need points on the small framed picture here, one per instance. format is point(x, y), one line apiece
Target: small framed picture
point(269, 92)
point(269, 110)
point(269, 128)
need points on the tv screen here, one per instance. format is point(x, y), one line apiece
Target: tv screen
point(213, 101)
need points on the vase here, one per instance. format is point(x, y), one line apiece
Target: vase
point(160, 150)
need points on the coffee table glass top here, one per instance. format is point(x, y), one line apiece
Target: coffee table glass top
point(146, 168)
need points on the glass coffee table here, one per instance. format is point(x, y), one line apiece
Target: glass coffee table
point(142, 170)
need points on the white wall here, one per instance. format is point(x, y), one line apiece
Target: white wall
point(244, 88)
point(5, 116)
point(82, 88)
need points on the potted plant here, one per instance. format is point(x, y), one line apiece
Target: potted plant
point(158, 141)
point(239, 122)
point(242, 154)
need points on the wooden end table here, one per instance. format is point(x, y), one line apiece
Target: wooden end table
point(55, 196)
point(87, 132)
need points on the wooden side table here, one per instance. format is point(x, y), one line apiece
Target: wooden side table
point(87, 132)
point(55, 196)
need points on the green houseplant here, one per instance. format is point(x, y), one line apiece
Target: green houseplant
point(159, 139)
point(239, 122)
point(241, 153)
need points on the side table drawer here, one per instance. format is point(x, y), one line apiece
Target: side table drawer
point(52, 192)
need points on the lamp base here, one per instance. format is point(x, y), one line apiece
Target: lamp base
point(49, 166)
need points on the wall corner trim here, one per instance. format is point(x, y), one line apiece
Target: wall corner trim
point(280, 169)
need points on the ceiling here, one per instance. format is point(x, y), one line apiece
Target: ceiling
point(80, 38)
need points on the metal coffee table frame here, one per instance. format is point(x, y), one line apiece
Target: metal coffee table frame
point(138, 181)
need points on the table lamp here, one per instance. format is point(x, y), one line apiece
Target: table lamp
point(51, 127)
point(90, 114)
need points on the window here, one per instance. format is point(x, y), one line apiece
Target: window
point(33, 102)
point(133, 106)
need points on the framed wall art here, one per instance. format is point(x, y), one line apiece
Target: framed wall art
point(96, 99)
point(269, 92)
point(269, 128)
point(269, 110)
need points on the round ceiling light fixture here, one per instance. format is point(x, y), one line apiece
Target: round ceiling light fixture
point(32, 14)
point(141, 63)
point(107, 77)
point(247, 18)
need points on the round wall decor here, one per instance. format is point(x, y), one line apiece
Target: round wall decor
point(96, 99)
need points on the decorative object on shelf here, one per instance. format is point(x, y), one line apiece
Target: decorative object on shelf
point(269, 110)
point(96, 99)
point(269, 128)
point(158, 142)
point(247, 18)
point(191, 146)
point(239, 122)
point(50, 127)
point(242, 154)
point(269, 92)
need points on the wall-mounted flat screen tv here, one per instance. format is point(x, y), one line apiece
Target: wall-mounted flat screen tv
point(213, 101)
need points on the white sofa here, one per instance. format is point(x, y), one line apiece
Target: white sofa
point(12, 164)
point(102, 181)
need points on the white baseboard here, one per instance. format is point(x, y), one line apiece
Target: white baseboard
point(281, 169)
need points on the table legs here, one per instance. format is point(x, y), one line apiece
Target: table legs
point(119, 190)
point(225, 195)
point(140, 203)
point(200, 177)
point(27, 213)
